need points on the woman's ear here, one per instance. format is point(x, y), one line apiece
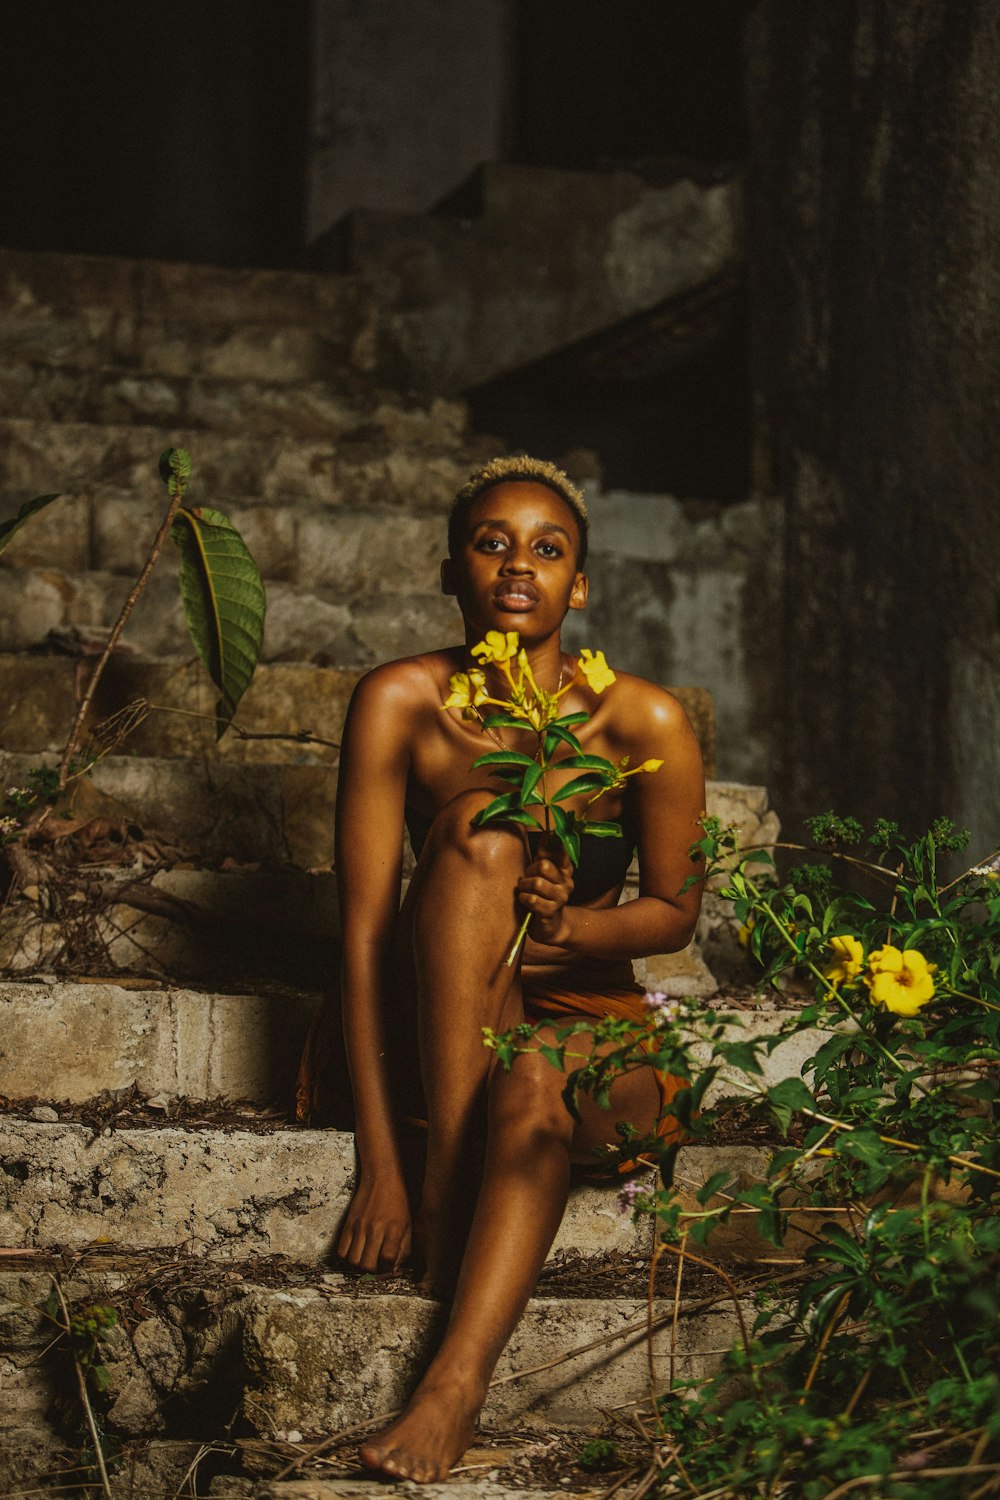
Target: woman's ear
point(578, 596)
point(449, 580)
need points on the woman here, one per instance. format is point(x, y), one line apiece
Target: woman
point(423, 981)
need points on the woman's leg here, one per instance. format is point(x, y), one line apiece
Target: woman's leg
point(531, 1139)
point(460, 917)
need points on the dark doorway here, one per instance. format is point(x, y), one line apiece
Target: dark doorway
point(176, 130)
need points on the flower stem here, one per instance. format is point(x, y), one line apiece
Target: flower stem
point(512, 955)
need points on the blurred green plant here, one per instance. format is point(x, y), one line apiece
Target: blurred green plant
point(873, 1363)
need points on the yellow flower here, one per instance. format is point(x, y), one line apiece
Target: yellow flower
point(596, 670)
point(647, 765)
point(849, 956)
point(744, 931)
point(468, 690)
point(498, 647)
point(901, 980)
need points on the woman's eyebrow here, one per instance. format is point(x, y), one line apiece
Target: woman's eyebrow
point(539, 527)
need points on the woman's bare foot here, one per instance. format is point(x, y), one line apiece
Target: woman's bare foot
point(430, 1436)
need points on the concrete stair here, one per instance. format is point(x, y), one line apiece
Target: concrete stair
point(212, 1236)
point(214, 1241)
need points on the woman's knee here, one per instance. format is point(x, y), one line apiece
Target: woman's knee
point(529, 1099)
point(498, 845)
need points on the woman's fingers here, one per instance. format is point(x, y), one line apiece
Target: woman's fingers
point(375, 1248)
point(376, 1232)
point(547, 882)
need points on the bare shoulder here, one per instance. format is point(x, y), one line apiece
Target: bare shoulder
point(641, 708)
point(406, 685)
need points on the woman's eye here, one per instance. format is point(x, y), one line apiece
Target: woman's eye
point(491, 544)
point(549, 549)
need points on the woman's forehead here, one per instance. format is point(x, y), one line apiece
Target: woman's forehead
point(524, 502)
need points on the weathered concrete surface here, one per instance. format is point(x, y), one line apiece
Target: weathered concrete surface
point(328, 1353)
point(873, 221)
point(554, 256)
point(38, 702)
point(404, 104)
point(356, 630)
point(690, 591)
point(183, 320)
point(319, 1363)
point(226, 1193)
point(260, 813)
point(42, 456)
point(73, 1041)
point(335, 410)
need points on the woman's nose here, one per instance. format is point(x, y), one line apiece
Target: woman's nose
point(519, 560)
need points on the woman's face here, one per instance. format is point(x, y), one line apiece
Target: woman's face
point(517, 568)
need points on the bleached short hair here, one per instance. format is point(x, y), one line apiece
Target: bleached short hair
point(510, 469)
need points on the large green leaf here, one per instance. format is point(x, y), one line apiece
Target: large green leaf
point(7, 528)
point(223, 600)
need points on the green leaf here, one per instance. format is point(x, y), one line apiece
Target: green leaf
point(505, 721)
point(498, 808)
point(587, 763)
point(577, 787)
point(175, 470)
point(28, 509)
point(532, 777)
point(602, 830)
point(786, 1097)
point(502, 758)
point(224, 602)
point(555, 734)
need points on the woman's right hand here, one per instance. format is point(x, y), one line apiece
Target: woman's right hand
point(376, 1235)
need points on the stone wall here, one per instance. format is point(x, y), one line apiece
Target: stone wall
point(690, 592)
point(407, 100)
point(873, 227)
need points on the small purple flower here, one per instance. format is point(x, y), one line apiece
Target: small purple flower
point(663, 1011)
point(8, 825)
point(627, 1196)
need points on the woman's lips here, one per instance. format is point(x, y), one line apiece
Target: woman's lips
point(516, 596)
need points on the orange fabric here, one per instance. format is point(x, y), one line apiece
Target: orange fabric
point(544, 1001)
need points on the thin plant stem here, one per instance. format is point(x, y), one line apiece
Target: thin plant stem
point(76, 732)
point(81, 1385)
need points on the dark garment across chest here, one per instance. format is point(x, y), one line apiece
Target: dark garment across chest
point(604, 863)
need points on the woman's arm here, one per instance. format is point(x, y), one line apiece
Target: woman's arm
point(369, 838)
point(668, 803)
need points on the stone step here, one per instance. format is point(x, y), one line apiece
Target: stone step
point(345, 408)
point(555, 256)
point(224, 1192)
point(322, 1353)
point(38, 702)
point(179, 319)
point(280, 814)
point(70, 1041)
point(420, 468)
point(356, 628)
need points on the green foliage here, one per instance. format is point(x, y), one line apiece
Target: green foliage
point(89, 1328)
point(221, 590)
point(598, 1454)
point(28, 509)
point(876, 1357)
point(224, 603)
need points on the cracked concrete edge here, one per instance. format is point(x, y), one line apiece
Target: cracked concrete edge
point(230, 1194)
point(317, 1358)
